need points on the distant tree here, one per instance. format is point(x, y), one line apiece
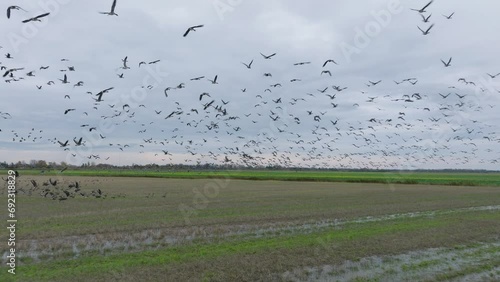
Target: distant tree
point(41, 164)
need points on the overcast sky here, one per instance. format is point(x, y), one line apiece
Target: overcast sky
point(372, 126)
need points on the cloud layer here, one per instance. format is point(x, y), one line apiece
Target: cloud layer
point(439, 117)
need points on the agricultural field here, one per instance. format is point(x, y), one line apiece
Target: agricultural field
point(232, 140)
point(395, 177)
point(161, 228)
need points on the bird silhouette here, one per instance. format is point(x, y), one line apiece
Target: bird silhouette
point(112, 11)
point(37, 18)
point(10, 8)
point(192, 28)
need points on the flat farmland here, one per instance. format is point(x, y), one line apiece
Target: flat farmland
point(226, 229)
point(391, 177)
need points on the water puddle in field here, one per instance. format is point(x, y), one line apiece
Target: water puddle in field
point(465, 263)
point(108, 243)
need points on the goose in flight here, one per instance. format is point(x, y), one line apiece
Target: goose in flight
point(204, 94)
point(214, 81)
point(10, 71)
point(449, 17)
point(268, 57)
point(37, 18)
point(427, 31)
point(446, 64)
point(301, 63)
point(99, 95)
point(424, 19)
point(207, 105)
point(125, 60)
point(79, 142)
point(63, 144)
point(423, 9)
point(112, 12)
point(192, 28)
point(249, 66)
point(329, 61)
point(64, 80)
point(323, 91)
point(13, 8)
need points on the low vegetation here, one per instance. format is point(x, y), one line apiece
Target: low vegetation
point(240, 230)
point(394, 177)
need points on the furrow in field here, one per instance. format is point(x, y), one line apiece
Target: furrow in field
point(37, 250)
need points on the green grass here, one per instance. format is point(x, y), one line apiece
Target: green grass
point(437, 178)
point(98, 265)
point(260, 208)
point(240, 201)
point(482, 267)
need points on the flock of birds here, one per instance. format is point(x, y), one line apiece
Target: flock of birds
point(300, 129)
point(57, 189)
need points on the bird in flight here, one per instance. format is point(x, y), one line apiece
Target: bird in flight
point(13, 8)
point(329, 61)
point(327, 72)
point(449, 17)
point(424, 19)
point(63, 144)
point(64, 80)
point(112, 12)
point(197, 78)
point(301, 63)
point(193, 28)
point(204, 94)
point(99, 95)
point(423, 9)
point(79, 142)
point(446, 64)
point(427, 31)
point(125, 60)
point(37, 18)
point(268, 57)
point(249, 66)
point(11, 71)
point(214, 81)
